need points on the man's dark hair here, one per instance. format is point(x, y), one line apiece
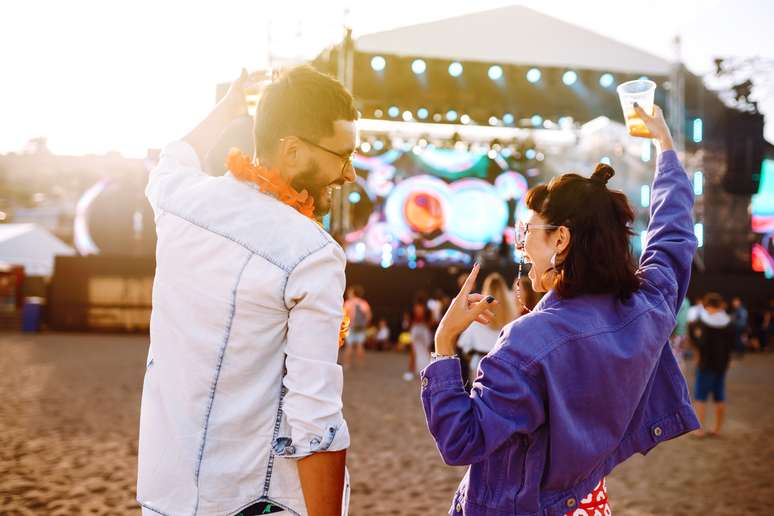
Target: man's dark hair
point(300, 102)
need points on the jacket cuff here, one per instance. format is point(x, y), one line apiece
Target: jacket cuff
point(334, 438)
point(442, 375)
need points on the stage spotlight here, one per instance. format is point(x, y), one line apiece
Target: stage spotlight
point(508, 118)
point(365, 147)
point(492, 120)
point(422, 113)
point(393, 111)
point(451, 115)
point(407, 116)
point(354, 197)
point(378, 63)
point(698, 230)
point(437, 117)
point(465, 119)
point(643, 78)
point(605, 160)
point(530, 154)
point(418, 66)
point(455, 69)
point(378, 113)
point(569, 77)
point(645, 196)
point(533, 75)
point(495, 72)
point(606, 80)
point(378, 145)
point(698, 182)
point(698, 130)
point(536, 120)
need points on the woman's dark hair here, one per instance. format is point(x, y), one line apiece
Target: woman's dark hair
point(599, 258)
point(301, 102)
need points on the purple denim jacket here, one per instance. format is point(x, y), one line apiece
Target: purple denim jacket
point(577, 386)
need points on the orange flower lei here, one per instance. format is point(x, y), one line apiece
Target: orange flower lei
point(343, 329)
point(269, 181)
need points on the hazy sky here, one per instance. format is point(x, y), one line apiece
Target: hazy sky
point(94, 76)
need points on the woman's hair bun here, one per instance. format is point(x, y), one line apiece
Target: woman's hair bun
point(602, 173)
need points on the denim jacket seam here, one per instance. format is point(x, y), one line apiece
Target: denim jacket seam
point(293, 268)
point(443, 386)
point(227, 237)
point(214, 386)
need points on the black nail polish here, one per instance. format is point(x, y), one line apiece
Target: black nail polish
point(489, 299)
point(636, 105)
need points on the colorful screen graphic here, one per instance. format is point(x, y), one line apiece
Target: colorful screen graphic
point(763, 222)
point(431, 206)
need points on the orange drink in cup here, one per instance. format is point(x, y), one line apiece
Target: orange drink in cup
point(642, 92)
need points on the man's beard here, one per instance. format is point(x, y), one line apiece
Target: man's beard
point(311, 180)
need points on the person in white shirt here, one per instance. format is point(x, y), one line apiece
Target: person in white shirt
point(479, 339)
point(241, 407)
point(421, 341)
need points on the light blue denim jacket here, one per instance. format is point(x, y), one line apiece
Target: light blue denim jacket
point(575, 387)
point(242, 378)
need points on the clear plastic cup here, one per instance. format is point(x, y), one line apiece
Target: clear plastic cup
point(642, 92)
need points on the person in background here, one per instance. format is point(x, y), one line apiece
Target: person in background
point(740, 319)
point(383, 335)
point(479, 339)
point(713, 337)
point(421, 341)
point(435, 305)
point(359, 312)
point(694, 310)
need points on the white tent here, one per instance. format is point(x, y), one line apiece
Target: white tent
point(513, 35)
point(32, 246)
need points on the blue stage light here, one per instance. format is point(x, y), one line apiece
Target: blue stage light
point(569, 77)
point(507, 118)
point(422, 113)
point(606, 80)
point(394, 111)
point(533, 75)
point(378, 63)
point(455, 69)
point(495, 72)
point(698, 130)
point(451, 115)
point(418, 66)
point(354, 197)
point(536, 120)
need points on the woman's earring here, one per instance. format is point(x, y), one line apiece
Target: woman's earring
point(552, 261)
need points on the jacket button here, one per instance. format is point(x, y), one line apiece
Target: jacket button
point(571, 502)
point(424, 382)
point(459, 507)
point(657, 431)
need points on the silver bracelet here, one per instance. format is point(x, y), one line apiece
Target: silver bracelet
point(435, 356)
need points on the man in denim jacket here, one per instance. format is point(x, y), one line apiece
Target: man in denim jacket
point(241, 407)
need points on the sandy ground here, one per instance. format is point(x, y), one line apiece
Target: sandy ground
point(70, 409)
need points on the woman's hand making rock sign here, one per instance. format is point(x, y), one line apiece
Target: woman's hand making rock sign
point(465, 309)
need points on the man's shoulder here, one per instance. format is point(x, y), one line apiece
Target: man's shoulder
point(258, 222)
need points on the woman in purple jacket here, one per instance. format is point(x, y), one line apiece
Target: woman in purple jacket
point(587, 378)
